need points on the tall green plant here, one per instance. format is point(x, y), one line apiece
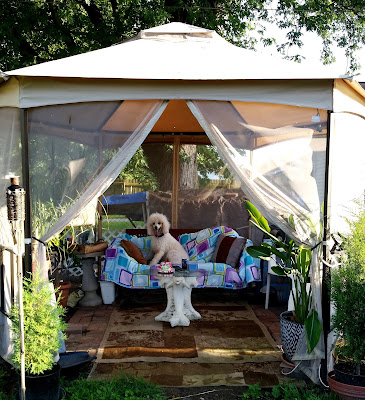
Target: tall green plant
point(295, 260)
point(348, 293)
point(43, 326)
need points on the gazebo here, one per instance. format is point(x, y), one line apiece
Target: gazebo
point(288, 133)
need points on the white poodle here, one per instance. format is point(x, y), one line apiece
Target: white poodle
point(163, 246)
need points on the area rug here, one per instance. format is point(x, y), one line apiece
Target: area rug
point(228, 345)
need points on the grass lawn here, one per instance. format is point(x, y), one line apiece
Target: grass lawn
point(119, 223)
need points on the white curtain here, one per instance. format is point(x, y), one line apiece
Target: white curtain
point(273, 162)
point(85, 157)
point(10, 165)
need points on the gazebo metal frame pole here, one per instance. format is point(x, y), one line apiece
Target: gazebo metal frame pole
point(326, 304)
point(16, 216)
point(26, 184)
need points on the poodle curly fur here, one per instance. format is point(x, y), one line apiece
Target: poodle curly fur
point(164, 247)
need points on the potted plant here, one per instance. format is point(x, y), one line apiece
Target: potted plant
point(294, 262)
point(348, 294)
point(61, 250)
point(43, 326)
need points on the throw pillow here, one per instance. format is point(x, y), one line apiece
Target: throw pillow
point(228, 250)
point(133, 251)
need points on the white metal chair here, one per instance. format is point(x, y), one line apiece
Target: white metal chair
point(271, 263)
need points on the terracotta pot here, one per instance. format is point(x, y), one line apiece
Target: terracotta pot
point(64, 290)
point(346, 392)
point(289, 369)
point(287, 363)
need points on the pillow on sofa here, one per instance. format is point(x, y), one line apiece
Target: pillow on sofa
point(133, 251)
point(228, 250)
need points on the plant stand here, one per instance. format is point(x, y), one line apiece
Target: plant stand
point(89, 281)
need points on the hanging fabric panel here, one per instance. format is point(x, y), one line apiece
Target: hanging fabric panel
point(77, 151)
point(10, 165)
point(269, 149)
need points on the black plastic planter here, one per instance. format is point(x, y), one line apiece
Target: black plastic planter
point(43, 387)
point(346, 373)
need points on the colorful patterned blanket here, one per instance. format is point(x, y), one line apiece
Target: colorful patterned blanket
point(124, 270)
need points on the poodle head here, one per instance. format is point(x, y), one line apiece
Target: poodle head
point(157, 224)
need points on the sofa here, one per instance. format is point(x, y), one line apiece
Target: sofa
point(122, 269)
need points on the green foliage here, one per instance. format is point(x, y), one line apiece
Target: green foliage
point(348, 292)
point(209, 162)
point(287, 392)
point(295, 260)
point(137, 170)
point(35, 30)
point(43, 326)
point(121, 387)
point(63, 245)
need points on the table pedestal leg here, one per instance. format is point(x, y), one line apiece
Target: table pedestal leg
point(179, 318)
point(190, 312)
point(179, 310)
point(167, 314)
point(89, 284)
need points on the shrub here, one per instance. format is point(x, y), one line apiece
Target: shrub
point(43, 326)
point(348, 292)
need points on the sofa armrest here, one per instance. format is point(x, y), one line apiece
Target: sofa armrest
point(249, 267)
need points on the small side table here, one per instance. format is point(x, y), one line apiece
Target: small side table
point(89, 281)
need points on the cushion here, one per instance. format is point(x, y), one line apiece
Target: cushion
point(133, 251)
point(200, 245)
point(228, 250)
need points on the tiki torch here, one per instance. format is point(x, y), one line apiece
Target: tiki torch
point(15, 197)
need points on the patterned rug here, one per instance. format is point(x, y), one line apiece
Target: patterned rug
point(229, 345)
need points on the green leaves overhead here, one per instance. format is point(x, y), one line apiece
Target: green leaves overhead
point(34, 31)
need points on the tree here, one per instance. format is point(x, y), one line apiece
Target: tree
point(34, 31)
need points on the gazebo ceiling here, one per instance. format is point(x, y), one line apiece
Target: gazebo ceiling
point(112, 122)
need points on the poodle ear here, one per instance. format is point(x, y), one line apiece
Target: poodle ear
point(165, 226)
point(149, 228)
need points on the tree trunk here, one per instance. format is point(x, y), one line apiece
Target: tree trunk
point(159, 159)
point(189, 167)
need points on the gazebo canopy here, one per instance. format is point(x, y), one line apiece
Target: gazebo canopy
point(68, 127)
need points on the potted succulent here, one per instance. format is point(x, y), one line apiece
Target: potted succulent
point(294, 261)
point(348, 294)
point(43, 326)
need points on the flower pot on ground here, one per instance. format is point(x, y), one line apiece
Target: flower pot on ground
point(43, 326)
point(290, 332)
point(62, 293)
point(294, 260)
point(348, 294)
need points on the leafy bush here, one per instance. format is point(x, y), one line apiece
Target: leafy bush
point(43, 326)
point(122, 387)
point(348, 292)
point(287, 392)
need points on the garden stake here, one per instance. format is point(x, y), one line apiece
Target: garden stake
point(15, 197)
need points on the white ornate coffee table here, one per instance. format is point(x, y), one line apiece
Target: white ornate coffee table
point(179, 310)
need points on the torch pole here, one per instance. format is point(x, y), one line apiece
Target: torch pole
point(16, 216)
